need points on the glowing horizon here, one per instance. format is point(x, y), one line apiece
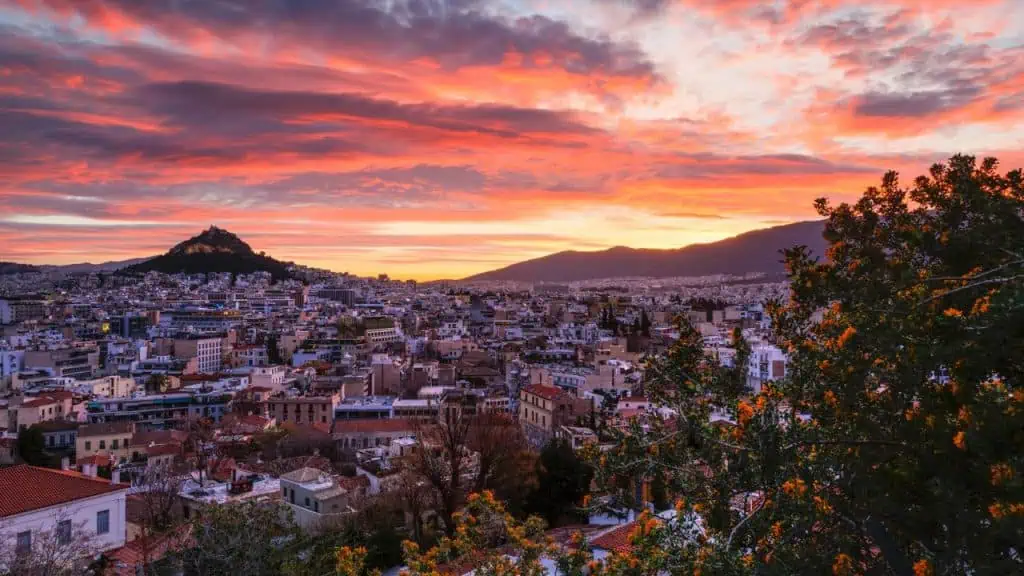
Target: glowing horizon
point(432, 139)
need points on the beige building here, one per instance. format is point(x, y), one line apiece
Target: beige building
point(112, 439)
point(76, 362)
point(543, 409)
point(36, 409)
point(359, 434)
point(109, 386)
point(303, 409)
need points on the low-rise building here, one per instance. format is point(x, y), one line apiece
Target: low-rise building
point(542, 409)
point(303, 409)
point(317, 499)
point(111, 439)
point(42, 507)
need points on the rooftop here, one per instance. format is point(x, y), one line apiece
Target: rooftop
point(26, 488)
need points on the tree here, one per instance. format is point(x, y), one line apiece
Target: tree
point(481, 528)
point(32, 446)
point(156, 384)
point(247, 538)
point(893, 444)
point(645, 324)
point(157, 491)
point(442, 459)
point(504, 462)
point(62, 551)
point(273, 350)
point(563, 480)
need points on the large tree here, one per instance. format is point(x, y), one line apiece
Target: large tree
point(249, 538)
point(893, 446)
point(563, 481)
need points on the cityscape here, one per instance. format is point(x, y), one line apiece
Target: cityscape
point(461, 287)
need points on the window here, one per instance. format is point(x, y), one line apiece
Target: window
point(323, 419)
point(103, 522)
point(316, 506)
point(307, 502)
point(113, 444)
point(49, 441)
point(103, 444)
point(24, 545)
point(88, 445)
point(64, 532)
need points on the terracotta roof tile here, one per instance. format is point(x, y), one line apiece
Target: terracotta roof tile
point(616, 539)
point(544, 391)
point(369, 426)
point(26, 488)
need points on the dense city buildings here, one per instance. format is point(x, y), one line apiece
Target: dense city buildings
point(322, 393)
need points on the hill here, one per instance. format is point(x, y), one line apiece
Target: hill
point(15, 268)
point(214, 250)
point(755, 251)
point(89, 267)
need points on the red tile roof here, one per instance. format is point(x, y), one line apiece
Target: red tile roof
point(544, 391)
point(124, 560)
point(370, 426)
point(26, 488)
point(616, 539)
point(97, 459)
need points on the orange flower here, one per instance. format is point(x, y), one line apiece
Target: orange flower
point(923, 568)
point(964, 416)
point(822, 506)
point(845, 337)
point(794, 487)
point(744, 412)
point(830, 398)
point(958, 440)
point(981, 305)
point(777, 530)
point(748, 560)
point(996, 510)
point(843, 566)
point(952, 313)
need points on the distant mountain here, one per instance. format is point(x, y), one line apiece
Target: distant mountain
point(214, 250)
point(15, 268)
point(755, 251)
point(88, 267)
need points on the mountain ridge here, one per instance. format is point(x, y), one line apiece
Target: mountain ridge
point(756, 251)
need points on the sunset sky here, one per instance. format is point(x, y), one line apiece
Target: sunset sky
point(434, 139)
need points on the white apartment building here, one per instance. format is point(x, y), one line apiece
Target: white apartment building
point(384, 335)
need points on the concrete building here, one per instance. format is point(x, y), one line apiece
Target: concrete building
point(77, 362)
point(206, 349)
point(543, 409)
point(43, 507)
point(317, 499)
point(359, 434)
point(303, 409)
point(111, 439)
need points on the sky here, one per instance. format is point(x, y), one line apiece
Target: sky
point(438, 138)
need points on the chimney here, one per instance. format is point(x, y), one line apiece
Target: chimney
point(65, 463)
point(115, 476)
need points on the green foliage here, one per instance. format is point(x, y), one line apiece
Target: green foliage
point(273, 350)
point(249, 538)
point(894, 444)
point(32, 446)
point(563, 480)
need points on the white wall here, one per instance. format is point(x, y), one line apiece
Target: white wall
point(82, 514)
